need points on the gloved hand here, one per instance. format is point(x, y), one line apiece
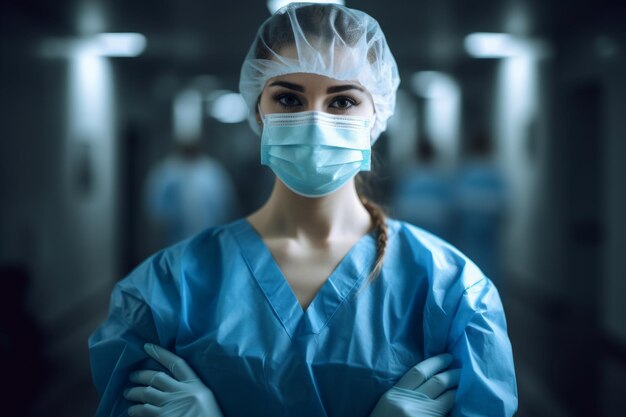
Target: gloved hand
point(424, 391)
point(181, 394)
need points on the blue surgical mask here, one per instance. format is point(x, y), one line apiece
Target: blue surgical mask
point(315, 153)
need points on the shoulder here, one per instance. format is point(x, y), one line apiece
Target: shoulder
point(420, 237)
point(458, 291)
point(161, 274)
point(149, 300)
point(446, 266)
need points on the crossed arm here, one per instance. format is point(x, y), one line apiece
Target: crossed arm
point(425, 390)
point(477, 339)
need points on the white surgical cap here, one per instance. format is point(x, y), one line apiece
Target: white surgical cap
point(329, 40)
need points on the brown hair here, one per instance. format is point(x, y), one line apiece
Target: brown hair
point(379, 218)
point(380, 221)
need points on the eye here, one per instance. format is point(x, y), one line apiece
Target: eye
point(287, 100)
point(343, 103)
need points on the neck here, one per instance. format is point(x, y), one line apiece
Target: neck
point(322, 219)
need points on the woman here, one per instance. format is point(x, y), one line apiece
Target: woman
point(315, 305)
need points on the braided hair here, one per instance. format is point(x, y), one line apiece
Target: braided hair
point(380, 222)
point(364, 187)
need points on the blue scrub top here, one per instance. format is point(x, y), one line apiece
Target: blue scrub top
point(220, 301)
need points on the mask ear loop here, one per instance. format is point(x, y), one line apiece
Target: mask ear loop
point(261, 124)
point(258, 107)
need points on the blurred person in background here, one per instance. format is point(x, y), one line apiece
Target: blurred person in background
point(480, 203)
point(188, 192)
point(422, 195)
point(317, 304)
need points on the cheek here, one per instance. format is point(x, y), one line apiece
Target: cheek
point(369, 105)
point(267, 104)
point(365, 109)
point(369, 110)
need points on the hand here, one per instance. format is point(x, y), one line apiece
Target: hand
point(180, 394)
point(423, 391)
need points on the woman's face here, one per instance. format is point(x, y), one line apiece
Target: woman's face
point(312, 92)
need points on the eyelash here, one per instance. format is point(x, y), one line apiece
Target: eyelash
point(350, 100)
point(279, 98)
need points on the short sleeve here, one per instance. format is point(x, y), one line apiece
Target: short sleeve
point(478, 339)
point(116, 350)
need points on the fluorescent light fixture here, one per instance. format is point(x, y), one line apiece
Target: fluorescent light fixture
point(102, 44)
point(120, 44)
point(494, 45)
point(274, 5)
point(228, 107)
point(434, 85)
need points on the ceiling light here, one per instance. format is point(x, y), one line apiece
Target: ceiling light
point(494, 45)
point(434, 85)
point(101, 44)
point(120, 44)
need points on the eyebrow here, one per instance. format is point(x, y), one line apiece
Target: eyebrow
point(329, 90)
point(290, 86)
point(340, 88)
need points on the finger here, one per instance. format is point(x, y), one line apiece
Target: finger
point(440, 383)
point(418, 374)
point(156, 379)
point(145, 395)
point(144, 410)
point(447, 399)
point(175, 364)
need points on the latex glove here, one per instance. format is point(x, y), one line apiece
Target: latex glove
point(423, 391)
point(181, 394)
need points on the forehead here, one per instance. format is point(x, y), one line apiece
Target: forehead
point(311, 80)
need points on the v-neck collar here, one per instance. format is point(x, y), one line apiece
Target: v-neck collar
point(355, 265)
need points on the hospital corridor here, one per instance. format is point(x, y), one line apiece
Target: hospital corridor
point(496, 138)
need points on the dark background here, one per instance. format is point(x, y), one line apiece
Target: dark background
point(72, 175)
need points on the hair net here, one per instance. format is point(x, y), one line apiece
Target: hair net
point(324, 39)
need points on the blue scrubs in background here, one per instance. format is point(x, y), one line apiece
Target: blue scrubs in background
point(219, 301)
